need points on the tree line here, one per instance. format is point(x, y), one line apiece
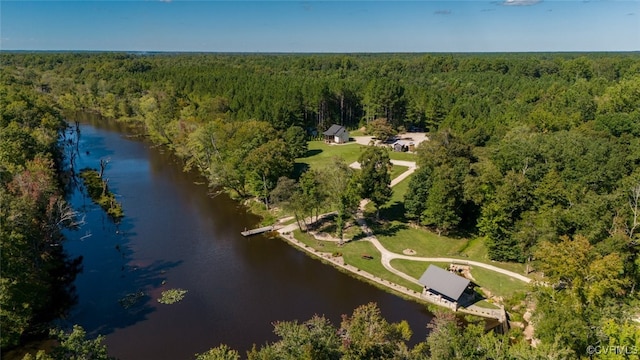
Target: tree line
point(36, 274)
point(536, 153)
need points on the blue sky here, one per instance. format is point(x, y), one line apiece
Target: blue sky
point(321, 26)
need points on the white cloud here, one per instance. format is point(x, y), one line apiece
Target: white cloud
point(520, 2)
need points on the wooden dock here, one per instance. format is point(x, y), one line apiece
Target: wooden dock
point(257, 231)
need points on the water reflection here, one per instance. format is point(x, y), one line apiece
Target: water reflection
point(174, 235)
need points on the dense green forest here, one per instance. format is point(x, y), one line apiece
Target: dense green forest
point(35, 272)
point(537, 154)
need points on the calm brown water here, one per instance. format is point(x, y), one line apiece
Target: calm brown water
point(175, 234)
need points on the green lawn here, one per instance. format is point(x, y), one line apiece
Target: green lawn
point(352, 253)
point(396, 155)
point(498, 284)
point(321, 155)
point(393, 210)
point(400, 190)
point(397, 236)
point(414, 268)
point(396, 170)
point(324, 246)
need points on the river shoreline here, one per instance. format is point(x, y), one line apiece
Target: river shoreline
point(175, 231)
point(135, 126)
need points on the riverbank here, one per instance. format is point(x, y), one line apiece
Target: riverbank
point(176, 235)
point(394, 285)
point(336, 260)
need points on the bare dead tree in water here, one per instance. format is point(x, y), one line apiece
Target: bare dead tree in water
point(105, 186)
point(103, 166)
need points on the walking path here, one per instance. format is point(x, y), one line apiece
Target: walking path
point(410, 164)
point(387, 256)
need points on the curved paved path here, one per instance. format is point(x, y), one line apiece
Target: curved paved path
point(386, 255)
point(410, 164)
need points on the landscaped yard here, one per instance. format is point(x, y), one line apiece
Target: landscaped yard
point(405, 156)
point(397, 236)
point(498, 284)
point(394, 208)
point(352, 253)
point(400, 189)
point(321, 155)
point(396, 170)
point(414, 268)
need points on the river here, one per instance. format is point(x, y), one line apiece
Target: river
point(174, 235)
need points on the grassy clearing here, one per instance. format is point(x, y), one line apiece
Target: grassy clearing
point(414, 268)
point(397, 236)
point(352, 253)
point(321, 155)
point(487, 305)
point(498, 284)
point(310, 241)
point(399, 190)
point(268, 217)
point(396, 170)
point(405, 156)
point(353, 256)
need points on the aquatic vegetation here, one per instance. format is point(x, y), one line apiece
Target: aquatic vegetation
point(98, 191)
point(131, 299)
point(172, 296)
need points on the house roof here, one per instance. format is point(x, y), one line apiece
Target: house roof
point(444, 282)
point(335, 130)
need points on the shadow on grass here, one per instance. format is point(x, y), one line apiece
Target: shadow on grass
point(299, 169)
point(312, 152)
point(393, 212)
point(326, 224)
point(329, 228)
point(387, 228)
point(470, 297)
point(358, 236)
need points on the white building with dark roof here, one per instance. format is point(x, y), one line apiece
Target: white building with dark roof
point(336, 134)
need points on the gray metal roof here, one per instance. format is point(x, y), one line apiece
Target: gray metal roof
point(444, 282)
point(335, 130)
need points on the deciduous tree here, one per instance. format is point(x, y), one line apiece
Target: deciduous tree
point(375, 179)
